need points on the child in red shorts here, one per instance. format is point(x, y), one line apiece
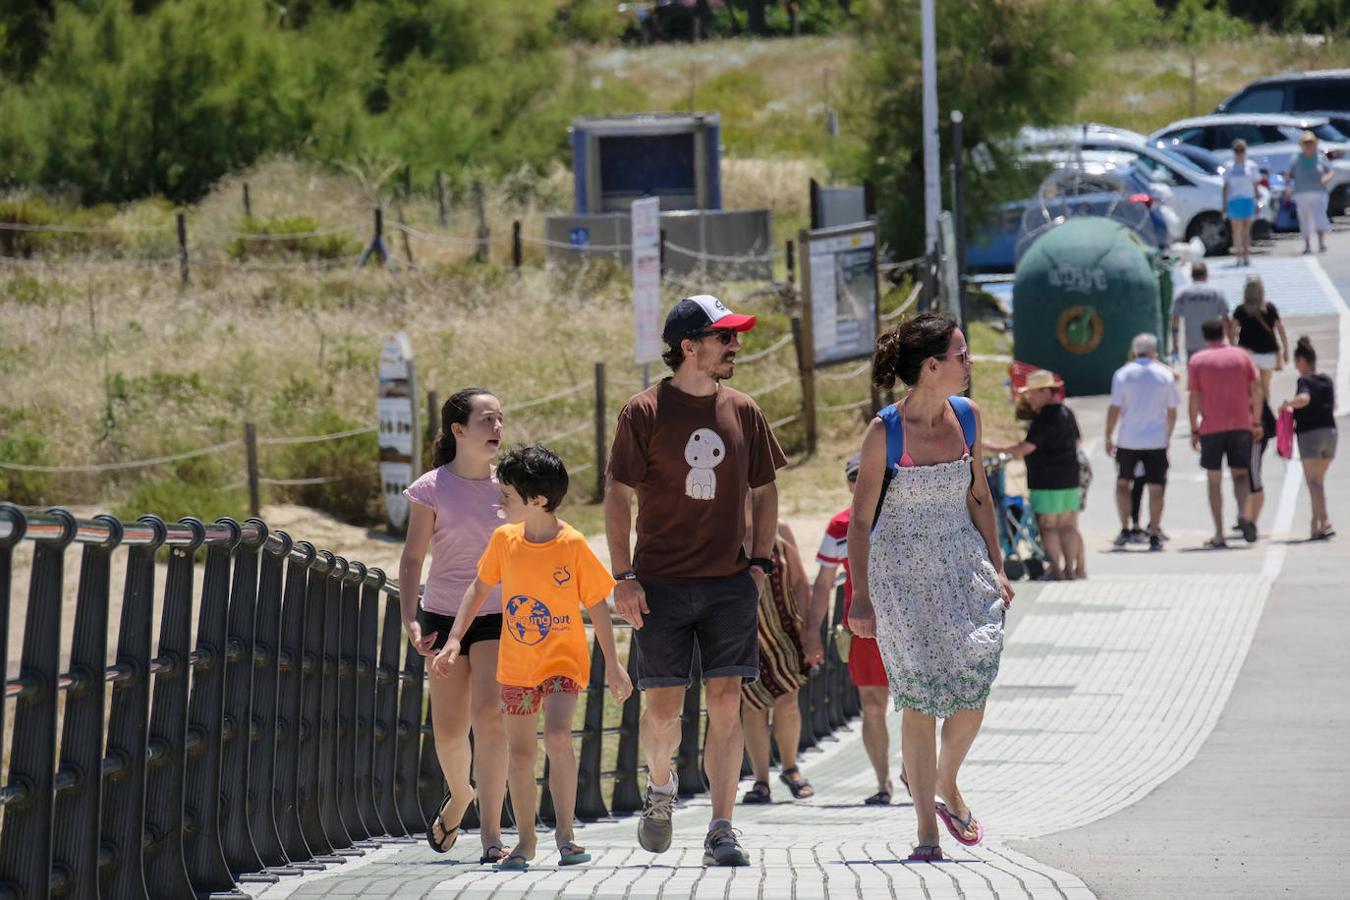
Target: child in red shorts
point(864, 659)
point(548, 573)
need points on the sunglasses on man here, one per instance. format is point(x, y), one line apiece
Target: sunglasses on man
point(725, 335)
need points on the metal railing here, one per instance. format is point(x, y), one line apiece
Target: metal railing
point(293, 734)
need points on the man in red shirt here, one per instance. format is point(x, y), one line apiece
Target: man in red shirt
point(864, 659)
point(1225, 410)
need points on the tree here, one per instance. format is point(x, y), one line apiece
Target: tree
point(1003, 63)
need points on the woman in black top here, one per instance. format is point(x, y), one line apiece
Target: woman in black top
point(1051, 453)
point(1314, 406)
point(1256, 327)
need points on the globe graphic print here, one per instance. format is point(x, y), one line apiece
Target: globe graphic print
point(527, 619)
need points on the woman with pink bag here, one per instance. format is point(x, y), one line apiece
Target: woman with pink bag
point(1314, 411)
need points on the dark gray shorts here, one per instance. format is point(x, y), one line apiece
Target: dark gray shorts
point(718, 619)
point(1320, 443)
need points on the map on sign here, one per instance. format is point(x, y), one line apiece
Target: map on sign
point(842, 291)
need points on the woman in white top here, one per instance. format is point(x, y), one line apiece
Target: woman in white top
point(1239, 200)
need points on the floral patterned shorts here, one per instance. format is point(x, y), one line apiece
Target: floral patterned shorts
point(525, 701)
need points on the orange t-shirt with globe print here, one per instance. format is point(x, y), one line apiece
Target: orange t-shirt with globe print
point(544, 587)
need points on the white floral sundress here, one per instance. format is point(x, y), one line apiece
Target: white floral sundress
point(939, 609)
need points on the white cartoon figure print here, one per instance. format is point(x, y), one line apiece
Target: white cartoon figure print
point(703, 452)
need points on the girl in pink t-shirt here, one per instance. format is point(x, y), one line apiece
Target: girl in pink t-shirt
point(454, 512)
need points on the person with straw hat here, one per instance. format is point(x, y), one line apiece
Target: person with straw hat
point(1050, 450)
point(1307, 179)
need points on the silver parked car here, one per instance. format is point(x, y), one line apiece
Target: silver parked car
point(1272, 142)
point(1192, 193)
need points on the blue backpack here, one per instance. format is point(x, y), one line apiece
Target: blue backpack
point(895, 439)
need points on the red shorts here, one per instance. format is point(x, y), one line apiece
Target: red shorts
point(864, 663)
point(525, 701)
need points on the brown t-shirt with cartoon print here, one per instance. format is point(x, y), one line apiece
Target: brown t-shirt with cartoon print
point(692, 460)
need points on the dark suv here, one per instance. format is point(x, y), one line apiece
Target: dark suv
point(1326, 92)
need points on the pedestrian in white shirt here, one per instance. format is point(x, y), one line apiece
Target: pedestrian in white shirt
point(1239, 200)
point(1144, 401)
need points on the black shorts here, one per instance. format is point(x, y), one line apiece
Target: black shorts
point(1154, 462)
point(1235, 445)
point(487, 627)
point(719, 619)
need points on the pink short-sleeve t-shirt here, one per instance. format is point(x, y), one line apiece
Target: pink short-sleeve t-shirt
point(1222, 376)
point(466, 515)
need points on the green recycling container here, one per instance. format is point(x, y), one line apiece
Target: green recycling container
point(1081, 293)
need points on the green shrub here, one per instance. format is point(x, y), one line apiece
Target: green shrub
point(353, 461)
point(289, 237)
point(18, 445)
point(171, 499)
point(204, 486)
point(37, 211)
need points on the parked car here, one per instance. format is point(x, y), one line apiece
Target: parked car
point(1270, 212)
point(1319, 93)
point(1272, 142)
point(1194, 194)
point(1093, 189)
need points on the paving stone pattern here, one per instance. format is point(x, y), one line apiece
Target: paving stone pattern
point(1107, 688)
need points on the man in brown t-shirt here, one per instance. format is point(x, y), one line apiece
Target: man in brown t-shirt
point(690, 449)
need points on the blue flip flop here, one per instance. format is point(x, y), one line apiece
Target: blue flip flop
point(512, 862)
point(572, 854)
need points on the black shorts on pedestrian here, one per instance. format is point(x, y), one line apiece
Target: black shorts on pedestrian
point(1154, 463)
point(487, 627)
point(718, 619)
point(1235, 445)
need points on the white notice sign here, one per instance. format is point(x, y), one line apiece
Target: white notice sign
point(823, 318)
point(843, 291)
point(400, 444)
point(646, 224)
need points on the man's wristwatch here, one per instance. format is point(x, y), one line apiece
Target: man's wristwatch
point(764, 563)
point(630, 575)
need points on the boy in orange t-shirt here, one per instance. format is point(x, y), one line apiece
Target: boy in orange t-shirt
point(547, 572)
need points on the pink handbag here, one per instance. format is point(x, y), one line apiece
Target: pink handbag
point(1284, 433)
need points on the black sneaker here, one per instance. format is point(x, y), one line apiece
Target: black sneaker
point(1154, 543)
point(1138, 536)
point(1123, 538)
point(654, 827)
point(720, 847)
point(1248, 530)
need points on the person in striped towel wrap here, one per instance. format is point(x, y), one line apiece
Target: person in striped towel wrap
point(782, 672)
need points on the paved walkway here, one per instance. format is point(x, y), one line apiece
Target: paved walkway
point(1173, 727)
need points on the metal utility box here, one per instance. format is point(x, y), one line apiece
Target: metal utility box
point(731, 243)
point(619, 159)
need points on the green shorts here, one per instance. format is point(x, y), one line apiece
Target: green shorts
point(1054, 502)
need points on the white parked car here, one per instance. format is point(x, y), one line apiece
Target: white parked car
point(1193, 194)
point(1272, 142)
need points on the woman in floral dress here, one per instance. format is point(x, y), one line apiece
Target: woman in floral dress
point(928, 576)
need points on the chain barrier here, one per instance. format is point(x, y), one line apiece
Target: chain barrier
point(566, 245)
point(84, 229)
point(134, 464)
point(899, 310)
point(864, 366)
point(316, 438)
point(769, 389)
point(769, 255)
point(566, 392)
point(440, 238)
point(767, 351)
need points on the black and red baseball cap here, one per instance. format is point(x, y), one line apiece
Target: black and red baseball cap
point(700, 313)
